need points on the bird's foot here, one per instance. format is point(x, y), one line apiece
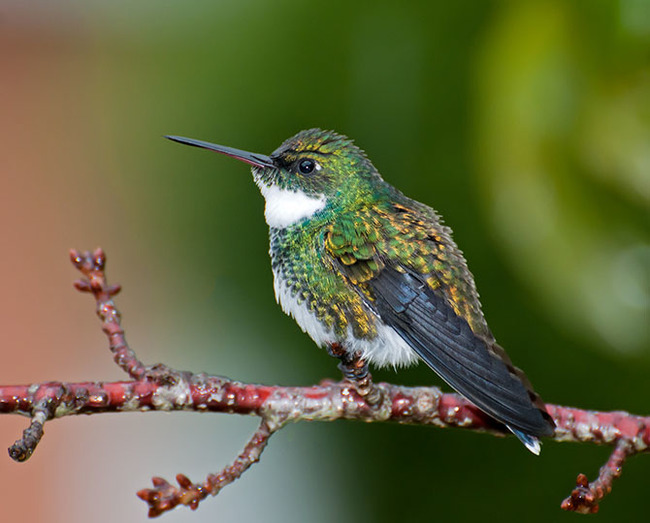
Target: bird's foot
point(355, 370)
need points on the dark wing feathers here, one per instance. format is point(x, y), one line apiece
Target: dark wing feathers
point(445, 341)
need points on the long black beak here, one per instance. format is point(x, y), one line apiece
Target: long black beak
point(258, 160)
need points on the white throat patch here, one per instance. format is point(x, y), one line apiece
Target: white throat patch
point(284, 207)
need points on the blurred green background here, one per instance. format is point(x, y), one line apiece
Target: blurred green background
point(526, 124)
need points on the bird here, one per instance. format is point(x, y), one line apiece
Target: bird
point(362, 267)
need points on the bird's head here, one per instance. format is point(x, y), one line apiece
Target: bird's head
point(310, 171)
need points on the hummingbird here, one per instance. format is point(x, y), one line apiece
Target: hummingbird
point(367, 271)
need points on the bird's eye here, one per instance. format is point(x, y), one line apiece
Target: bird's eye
point(306, 166)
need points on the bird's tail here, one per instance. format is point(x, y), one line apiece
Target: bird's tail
point(531, 442)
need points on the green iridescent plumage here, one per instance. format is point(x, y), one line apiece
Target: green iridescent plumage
point(351, 247)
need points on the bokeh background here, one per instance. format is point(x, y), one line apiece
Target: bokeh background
point(526, 124)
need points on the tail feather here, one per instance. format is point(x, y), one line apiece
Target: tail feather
point(531, 442)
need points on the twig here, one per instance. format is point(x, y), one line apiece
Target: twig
point(160, 388)
point(92, 267)
point(585, 497)
point(165, 496)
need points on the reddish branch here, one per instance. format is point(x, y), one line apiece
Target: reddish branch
point(160, 388)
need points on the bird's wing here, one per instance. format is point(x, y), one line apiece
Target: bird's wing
point(444, 340)
point(416, 306)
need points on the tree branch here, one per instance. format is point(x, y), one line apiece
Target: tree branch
point(161, 388)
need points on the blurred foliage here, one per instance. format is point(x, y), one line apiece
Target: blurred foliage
point(565, 157)
point(526, 124)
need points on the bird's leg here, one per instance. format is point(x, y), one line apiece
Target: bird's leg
point(355, 370)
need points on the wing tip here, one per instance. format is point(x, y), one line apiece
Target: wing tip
point(531, 442)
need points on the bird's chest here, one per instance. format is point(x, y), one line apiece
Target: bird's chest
point(309, 288)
